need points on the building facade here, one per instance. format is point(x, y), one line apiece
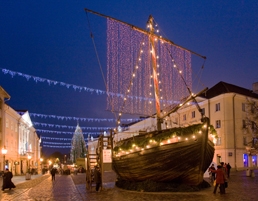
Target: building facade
point(19, 138)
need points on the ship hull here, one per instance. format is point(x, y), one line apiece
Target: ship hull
point(183, 161)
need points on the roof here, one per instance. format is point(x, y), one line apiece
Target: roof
point(223, 88)
point(4, 93)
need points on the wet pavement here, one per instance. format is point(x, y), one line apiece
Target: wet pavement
point(72, 188)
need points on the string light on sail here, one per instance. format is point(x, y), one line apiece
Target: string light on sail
point(122, 62)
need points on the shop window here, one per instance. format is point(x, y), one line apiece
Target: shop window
point(245, 160)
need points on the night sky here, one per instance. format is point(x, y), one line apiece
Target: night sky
point(51, 40)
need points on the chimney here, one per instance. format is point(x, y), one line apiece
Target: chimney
point(255, 87)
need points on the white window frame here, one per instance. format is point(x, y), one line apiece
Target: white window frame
point(217, 107)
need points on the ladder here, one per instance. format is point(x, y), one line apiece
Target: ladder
point(93, 159)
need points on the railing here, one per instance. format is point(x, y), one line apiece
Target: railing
point(96, 159)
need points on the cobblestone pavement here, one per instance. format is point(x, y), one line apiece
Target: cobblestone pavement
point(72, 188)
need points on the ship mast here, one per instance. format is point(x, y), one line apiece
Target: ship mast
point(152, 38)
point(154, 67)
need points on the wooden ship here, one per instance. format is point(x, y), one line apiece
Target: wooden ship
point(183, 158)
point(180, 154)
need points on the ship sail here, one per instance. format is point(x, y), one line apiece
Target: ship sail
point(135, 76)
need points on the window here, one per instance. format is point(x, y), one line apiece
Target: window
point(244, 141)
point(244, 124)
point(218, 141)
point(253, 125)
point(243, 107)
point(203, 111)
point(252, 108)
point(184, 117)
point(217, 107)
point(176, 121)
point(193, 114)
point(218, 124)
point(7, 123)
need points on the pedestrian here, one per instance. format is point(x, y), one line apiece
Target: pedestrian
point(228, 168)
point(212, 174)
point(7, 180)
point(53, 173)
point(220, 180)
point(97, 177)
point(224, 169)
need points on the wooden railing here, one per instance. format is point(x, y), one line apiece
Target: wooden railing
point(96, 159)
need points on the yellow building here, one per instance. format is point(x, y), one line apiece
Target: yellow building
point(19, 138)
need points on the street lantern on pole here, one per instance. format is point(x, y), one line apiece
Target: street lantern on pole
point(4, 152)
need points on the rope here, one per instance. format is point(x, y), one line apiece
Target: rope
point(96, 52)
point(199, 75)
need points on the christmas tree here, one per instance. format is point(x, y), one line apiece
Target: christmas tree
point(78, 145)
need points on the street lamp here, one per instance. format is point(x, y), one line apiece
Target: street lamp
point(29, 157)
point(4, 152)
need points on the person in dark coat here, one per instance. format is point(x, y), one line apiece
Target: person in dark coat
point(53, 173)
point(228, 168)
point(213, 174)
point(97, 177)
point(7, 180)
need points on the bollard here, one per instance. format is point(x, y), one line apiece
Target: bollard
point(252, 173)
point(248, 173)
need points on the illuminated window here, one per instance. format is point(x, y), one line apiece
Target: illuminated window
point(218, 124)
point(217, 107)
point(218, 141)
point(7, 123)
